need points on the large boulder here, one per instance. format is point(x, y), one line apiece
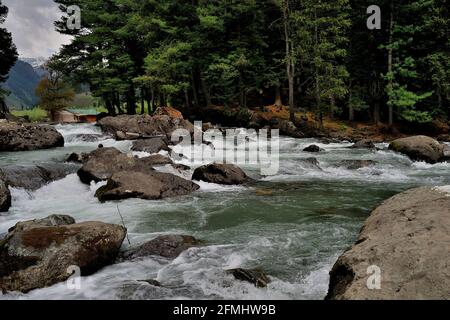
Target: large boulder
point(227, 174)
point(408, 239)
point(102, 163)
point(5, 197)
point(168, 246)
point(24, 136)
point(150, 185)
point(420, 148)
point(143, 126)
point(34, 177)
point(38, 253)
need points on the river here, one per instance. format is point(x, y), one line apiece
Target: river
point(294, 225)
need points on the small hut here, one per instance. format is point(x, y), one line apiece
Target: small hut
point(76, 116)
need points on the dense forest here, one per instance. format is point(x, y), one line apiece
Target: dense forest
point(313, 55)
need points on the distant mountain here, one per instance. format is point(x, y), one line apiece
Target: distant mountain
point(35, 62)
point(22, 82)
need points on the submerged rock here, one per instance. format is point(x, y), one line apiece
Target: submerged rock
point(77, 157)
point(227, 174)
point(167, 246)
point(310, 163)
point(153, 145)
point(356, 164)
point(38, 253)
point(364, 144)
point(5, 197)
point(408, 238)
point(34, 177)
point(254, 276)
point(144, 185)
point(313, 148)
point(24, 136)
point(419, 148)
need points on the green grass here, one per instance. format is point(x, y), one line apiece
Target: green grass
point(35, 115)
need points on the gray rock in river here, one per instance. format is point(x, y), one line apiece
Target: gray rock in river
point(313, 148)
point(168, 246)
point(254, 276)
point(102, 163)
point(5, 197)
point(356, 164)
point(138, 126)
point(363, 144)
point(227, 174)
point(150, 145)
point(419, 148)
point(150, 185)
point(34, 177)
point(25, 136)
point(36, 254)
point(408, 238)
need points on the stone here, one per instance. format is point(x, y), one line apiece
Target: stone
point(227, 174)
point(38, 253)
point(254, 276)
point(151, 185)
point(313, 148)
point(408, 238)
point(5, 197)
point(34, 177)
point(364, 144)
point(167, 246)
point(25, 136)
point(419, 148)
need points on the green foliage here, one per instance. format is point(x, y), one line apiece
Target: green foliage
point(36, 114)
point(243, 53)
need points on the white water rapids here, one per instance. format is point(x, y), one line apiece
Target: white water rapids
point(294, 230)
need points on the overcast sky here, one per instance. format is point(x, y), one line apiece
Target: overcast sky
point(31, 25)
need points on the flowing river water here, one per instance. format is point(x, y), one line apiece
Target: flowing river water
point(294, 225)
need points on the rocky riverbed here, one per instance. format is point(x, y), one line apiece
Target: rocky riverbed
point(231, 235)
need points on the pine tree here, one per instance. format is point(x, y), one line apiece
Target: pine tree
point(8, 57)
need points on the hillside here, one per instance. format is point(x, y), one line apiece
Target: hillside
point(22, 82)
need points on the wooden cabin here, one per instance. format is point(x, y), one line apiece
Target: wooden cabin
point(76, 116)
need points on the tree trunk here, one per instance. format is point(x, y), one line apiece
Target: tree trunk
point(152, 104)
point(142, 100)
point(316, 73)
point(3, 109)
point(131, 101)
point(376, 113)
point(332, 106)
point(278, 102)
point(205, 90)
point(241, 93)
point(390, 67)
point(194, 90)
point(290, 63)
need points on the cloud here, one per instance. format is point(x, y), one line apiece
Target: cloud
point(32, 28)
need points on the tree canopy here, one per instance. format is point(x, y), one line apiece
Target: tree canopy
point(8, 56)
point(310, 55)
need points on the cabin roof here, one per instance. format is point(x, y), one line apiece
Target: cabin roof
point(83, 112)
